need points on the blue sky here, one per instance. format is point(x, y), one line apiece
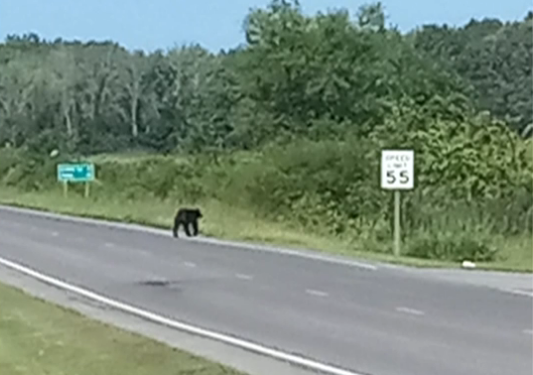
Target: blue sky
point(215, 24)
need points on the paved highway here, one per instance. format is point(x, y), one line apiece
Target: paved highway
point(380, 322)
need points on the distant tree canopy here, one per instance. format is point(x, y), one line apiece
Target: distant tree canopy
point(495, 58)
point(297, 76)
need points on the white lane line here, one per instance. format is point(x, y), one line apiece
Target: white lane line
point(213, 241)
point(144, 253)
point(522, 292)
point(260, 349)
point(54, 234)
point(317, 293)
point(517, 292)
point(243, 276)
point(189, 264)
point(409, 311)
point(528, 331)
point(283, 251)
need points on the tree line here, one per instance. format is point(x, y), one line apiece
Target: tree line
point(319, 76)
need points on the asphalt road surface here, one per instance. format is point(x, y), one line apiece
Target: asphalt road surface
point(378, 322)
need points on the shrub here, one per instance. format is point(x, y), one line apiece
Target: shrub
point(452, 246)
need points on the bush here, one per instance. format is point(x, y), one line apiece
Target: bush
point(26, 173)
point(325, 183)
point(152, 178)
point(452, 246)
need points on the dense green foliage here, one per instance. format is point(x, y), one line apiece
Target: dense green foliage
point(494, 58)
point(290, 125)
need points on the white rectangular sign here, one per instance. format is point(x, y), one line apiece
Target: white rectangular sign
point(397, 169)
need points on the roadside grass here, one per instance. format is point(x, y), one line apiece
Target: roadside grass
point(37, 337)
point(232, 223)
point(133, 158)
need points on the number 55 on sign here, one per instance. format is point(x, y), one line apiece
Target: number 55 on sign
point(397, 169)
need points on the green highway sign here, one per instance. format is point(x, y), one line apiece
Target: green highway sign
point(75, 172)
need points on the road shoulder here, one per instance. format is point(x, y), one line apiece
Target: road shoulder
point(237, 358)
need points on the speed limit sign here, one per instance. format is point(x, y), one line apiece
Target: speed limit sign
point(397, 169)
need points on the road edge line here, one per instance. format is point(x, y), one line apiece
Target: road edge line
point(155, 318)
point(517, 292)
point(206, 240)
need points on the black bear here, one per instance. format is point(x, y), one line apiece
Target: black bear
point(185, 217)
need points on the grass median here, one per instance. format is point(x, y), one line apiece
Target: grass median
point(227, 222)
point(41, 338)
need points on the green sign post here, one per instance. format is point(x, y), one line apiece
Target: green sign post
point(82, 172)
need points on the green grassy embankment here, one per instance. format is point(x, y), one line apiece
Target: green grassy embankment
point(41, 338)
point(226, 222)
point(221, 221)
point(245, 197)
